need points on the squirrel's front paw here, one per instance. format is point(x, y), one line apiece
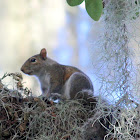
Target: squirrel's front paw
point(56, 97)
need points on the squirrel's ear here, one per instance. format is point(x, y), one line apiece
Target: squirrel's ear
point(43, 53)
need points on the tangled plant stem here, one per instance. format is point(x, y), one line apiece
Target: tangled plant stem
point(116, 69)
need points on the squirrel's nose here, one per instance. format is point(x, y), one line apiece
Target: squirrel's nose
point(22, 69)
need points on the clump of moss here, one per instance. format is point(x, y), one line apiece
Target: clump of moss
point(34, 118)
point(27, 117)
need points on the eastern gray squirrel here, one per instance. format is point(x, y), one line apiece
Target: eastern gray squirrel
point(67, 81)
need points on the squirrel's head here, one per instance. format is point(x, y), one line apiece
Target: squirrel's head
point(33, 65)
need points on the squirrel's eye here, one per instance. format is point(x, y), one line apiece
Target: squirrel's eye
point(33, 60)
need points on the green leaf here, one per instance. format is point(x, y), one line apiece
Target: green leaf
point(94, 8)
point(74, 2)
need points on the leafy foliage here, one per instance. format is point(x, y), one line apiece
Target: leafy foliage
point(74, 2)
point(93, 7)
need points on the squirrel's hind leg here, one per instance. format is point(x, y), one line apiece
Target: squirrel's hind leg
point(77, 83)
